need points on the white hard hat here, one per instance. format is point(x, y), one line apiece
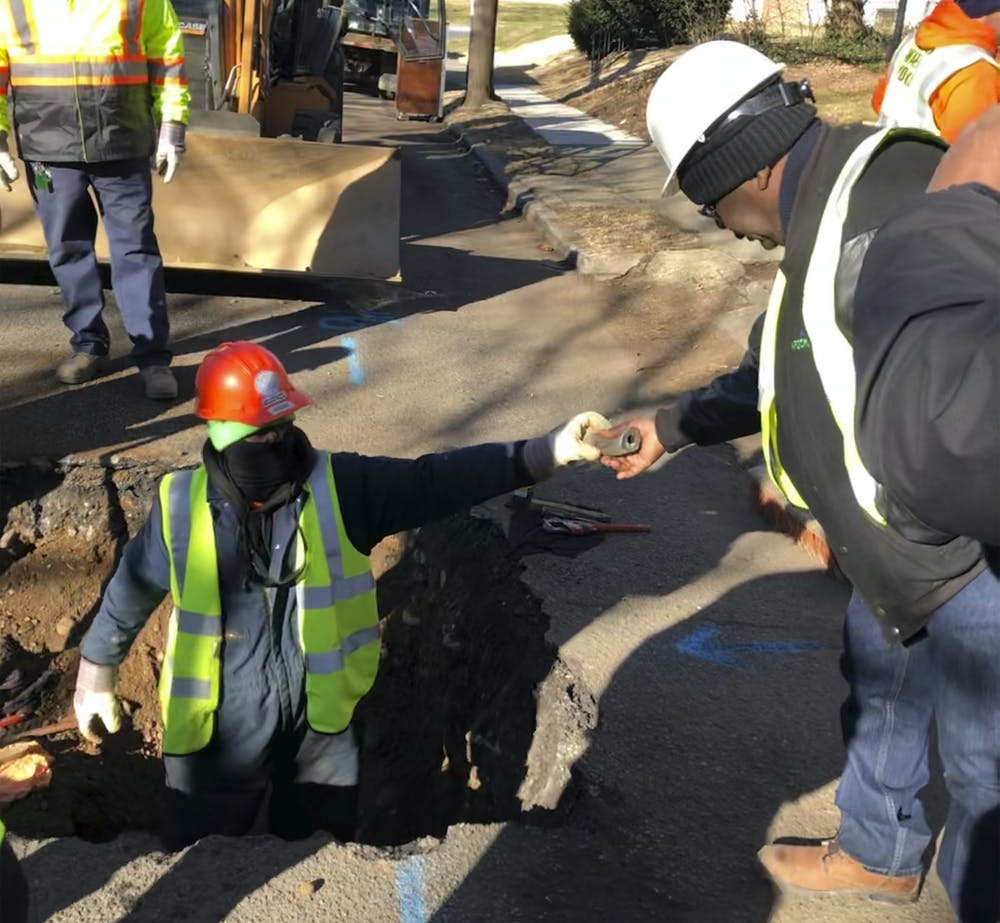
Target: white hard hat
point(697, 90)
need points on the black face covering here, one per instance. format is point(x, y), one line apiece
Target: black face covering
point(258, 478)
point(260, 469)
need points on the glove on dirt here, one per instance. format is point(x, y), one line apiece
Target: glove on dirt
point(95, 698)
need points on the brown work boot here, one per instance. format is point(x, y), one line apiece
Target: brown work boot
point(159, 383)
point(825, 868)
point(78, 368)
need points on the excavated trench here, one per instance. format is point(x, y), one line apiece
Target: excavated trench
point(473, 718)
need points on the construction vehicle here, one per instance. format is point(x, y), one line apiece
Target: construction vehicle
point(265, 184)
point(398, 47)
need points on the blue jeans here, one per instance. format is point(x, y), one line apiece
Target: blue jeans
point(951, 675)
point(123, 189)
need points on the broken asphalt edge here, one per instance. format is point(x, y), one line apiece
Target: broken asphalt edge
point(521, 198)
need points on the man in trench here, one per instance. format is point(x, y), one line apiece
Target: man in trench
point(922, 633)
point(274, 636)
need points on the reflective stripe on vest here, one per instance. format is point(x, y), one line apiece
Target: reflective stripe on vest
point(337, 614)
point(335, 595)
point(765, 392)
point(53, 71)
point(3, 831)
point(189, 682)
point(914, 77)
point(831, 349)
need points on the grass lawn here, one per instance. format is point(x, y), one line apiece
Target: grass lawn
point(517, 23)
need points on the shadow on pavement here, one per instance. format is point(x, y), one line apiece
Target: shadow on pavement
point(671, 833)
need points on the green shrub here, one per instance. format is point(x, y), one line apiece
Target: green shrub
point(692, 21)
point(600, 26)
point(867, 49)
point(586, 21)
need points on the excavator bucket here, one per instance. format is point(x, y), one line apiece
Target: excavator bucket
point(243, 203)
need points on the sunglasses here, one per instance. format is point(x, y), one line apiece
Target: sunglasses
point(711, 212)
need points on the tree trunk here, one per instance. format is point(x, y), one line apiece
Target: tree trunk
point(847, 18)
point(482, 40)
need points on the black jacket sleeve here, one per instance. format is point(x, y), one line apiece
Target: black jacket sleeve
point(382, 496)
point(724, 409)
point(927, 353)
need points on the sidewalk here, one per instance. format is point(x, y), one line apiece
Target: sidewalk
point(587, 166)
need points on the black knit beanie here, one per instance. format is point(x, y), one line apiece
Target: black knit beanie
point(734, 154)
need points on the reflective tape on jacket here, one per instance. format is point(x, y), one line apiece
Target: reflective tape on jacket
point(915, 74)
point(122, 60)
point(832, 350)
point(335, 599)
point(55, 71)
point(766, 396)
point(3, 832)
point(337, 613)
point(189, 681)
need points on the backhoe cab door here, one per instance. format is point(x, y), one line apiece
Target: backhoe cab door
point(420, 75)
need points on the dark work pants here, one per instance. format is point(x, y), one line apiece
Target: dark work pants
point(13, 888)
point(221, 789)
point(124, 190)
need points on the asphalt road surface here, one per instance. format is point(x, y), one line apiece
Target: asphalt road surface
point(711, 644)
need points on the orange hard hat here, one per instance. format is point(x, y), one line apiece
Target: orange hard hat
point(242, 382)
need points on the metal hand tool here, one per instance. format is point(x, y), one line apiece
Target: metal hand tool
point(579, 527)
point(627, 442)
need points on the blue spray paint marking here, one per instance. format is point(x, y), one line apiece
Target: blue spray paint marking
point(410, 890)
point(699, 644)
point(355, 320)
point(353, 362)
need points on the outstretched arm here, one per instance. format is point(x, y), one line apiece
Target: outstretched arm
point(382, 496)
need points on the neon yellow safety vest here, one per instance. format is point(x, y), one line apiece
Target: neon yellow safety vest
point(337, 617)
point(832, 350)
point(915, 74)
point(3, 831)
point(87, 76)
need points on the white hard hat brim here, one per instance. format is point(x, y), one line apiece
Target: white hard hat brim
point(687, 118)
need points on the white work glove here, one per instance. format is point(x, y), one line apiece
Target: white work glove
point(8, 169)
point(544, 455)
point(95, 698)
point(169, 149)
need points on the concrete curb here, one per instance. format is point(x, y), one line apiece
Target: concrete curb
point(521, 198)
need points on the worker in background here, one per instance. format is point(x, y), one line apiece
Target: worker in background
point(945, 73)
point(921, 628)
point(274, 637)
point(13, 887)
point(929, 349)
point(88, 87)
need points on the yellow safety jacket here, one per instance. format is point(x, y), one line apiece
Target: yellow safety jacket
point(337, 618)
point(87, 78)
point(831, 349)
